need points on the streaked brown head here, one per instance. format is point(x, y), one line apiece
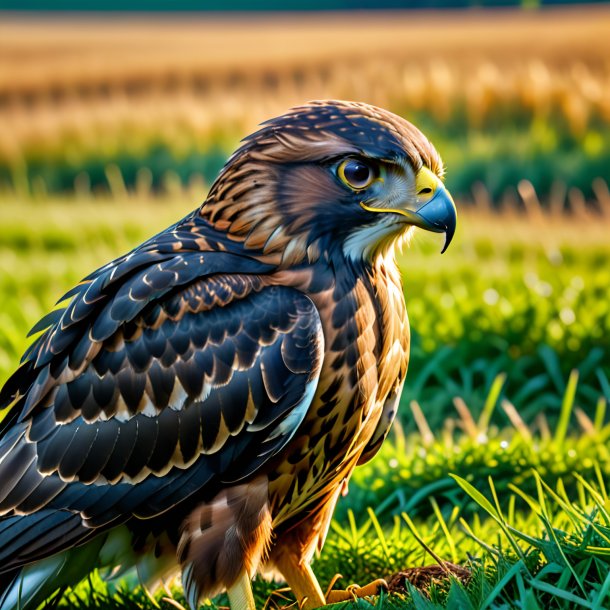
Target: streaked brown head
point(327, 175)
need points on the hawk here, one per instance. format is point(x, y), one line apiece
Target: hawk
point(200, 403)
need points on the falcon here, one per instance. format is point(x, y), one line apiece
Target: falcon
point(199, 404)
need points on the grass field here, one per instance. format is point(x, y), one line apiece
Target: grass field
point(500, 460)
point(500, 321)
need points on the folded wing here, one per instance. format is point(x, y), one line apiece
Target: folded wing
point(169, 391)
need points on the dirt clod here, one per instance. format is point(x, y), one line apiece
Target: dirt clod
point(423, 577)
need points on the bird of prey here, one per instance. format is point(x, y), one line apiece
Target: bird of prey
point(200, 403)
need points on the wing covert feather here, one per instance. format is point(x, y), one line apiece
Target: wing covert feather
point(198, 390)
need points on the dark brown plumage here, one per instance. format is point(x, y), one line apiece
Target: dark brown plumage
point(202, 401)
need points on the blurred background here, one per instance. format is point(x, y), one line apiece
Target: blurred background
point(114, 124)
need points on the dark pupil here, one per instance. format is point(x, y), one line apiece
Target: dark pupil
point(357, 173)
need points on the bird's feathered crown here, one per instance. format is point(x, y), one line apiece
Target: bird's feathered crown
point(326, 128)
point(271, 188)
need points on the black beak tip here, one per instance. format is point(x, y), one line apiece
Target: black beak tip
point(449, 233)
point(439, 215)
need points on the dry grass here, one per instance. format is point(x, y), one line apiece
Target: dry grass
point(72, 87)
point(45, 54)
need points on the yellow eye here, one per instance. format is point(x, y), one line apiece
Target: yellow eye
point(356, 174)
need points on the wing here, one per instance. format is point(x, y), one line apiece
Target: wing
point(197, 390)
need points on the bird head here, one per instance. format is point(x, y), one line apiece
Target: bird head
point(331, 175)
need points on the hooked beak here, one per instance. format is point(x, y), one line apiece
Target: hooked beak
point(436, 211)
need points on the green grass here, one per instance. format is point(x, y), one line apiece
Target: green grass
point(537, 537)
point(503, 462)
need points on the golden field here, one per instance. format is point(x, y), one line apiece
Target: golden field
point(76, 88)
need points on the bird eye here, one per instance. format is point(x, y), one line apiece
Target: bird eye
point(356, 174)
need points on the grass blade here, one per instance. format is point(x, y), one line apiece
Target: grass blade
point(566, 407)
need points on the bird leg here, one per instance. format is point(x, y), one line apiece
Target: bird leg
point(301, 580)
point(240, 593)
point(304, 584)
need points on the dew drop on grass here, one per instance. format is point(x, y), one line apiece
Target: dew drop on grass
point(555, 257)
point(544, 289)
point(447, 301)
point(491, 296)
point(567, 316)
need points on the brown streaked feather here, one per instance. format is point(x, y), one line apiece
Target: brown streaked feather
point(363, 314)
point(225, 536)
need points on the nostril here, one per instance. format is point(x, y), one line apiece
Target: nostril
point(425, 191)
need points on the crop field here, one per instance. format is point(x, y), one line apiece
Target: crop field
point(497, 471)
point(505, 96)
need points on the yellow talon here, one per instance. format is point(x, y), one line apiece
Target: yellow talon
point(354, 592)
point(333, 582)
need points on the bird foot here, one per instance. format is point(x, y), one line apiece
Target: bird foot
point(353, 592)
